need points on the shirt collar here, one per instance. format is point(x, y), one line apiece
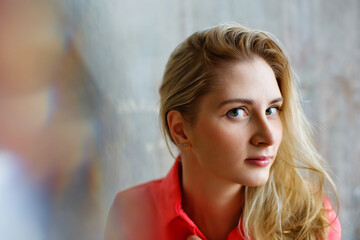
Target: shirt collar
point(169, 196)
point(169, 200)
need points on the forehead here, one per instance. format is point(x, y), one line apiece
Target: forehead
point(253, 79)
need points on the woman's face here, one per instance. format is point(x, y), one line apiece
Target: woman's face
point(238, 130)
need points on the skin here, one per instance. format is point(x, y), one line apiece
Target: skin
point(193, 237)
point(237, 121)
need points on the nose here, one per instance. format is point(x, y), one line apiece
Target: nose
point(263, 133)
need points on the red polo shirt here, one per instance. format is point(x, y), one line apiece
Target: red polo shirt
point(153, 211)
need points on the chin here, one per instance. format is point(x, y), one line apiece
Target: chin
point(257, 181)
point(255, 184)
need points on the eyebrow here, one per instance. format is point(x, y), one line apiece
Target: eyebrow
point(247, 101)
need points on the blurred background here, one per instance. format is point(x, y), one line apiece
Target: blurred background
point(79, 99)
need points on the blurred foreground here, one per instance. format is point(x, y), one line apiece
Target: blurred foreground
point(51, 128)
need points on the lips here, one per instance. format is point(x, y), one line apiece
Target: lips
point(260, 161)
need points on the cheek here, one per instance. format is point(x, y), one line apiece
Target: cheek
point(278, 132)
point(204, 134)
point(218, 136)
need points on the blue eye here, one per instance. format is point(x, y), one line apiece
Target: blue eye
point(272, 111)
point(236, 113)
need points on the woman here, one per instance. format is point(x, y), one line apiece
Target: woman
point(247, 167)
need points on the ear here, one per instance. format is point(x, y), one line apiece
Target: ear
point(177, 127)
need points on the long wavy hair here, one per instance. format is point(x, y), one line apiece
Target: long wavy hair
point(291, 204)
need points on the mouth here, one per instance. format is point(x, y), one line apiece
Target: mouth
point(260, 161)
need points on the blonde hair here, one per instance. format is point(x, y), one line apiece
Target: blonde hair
point(291, 204)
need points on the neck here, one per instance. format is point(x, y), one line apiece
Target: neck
point(213, 204)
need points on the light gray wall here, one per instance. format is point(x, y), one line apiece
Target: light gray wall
point(126, 45)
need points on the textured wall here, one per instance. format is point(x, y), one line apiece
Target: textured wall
point(126, 45)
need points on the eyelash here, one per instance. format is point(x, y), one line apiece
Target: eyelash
point(232, 110)
point(278, 108)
